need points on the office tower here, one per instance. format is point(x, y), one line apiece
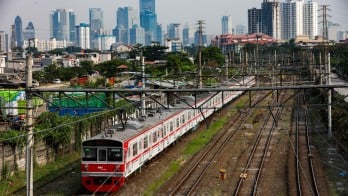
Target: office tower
point(96, 22)
point(13, 37)
point(62, 25)
point(148, 20)
point(137, 35)
point(126, 18)
point(159, 34)
point(29, 31)
point(104, 42)
point(333, 29)
point(18, 31)
point(240, 30)
point(254, 20)
point(311, 19)
point(3, 42)
point(226, 23)
point(187, 35)
point(203, 41)
point(271, 18)
point(173, 31)
point(82, 36)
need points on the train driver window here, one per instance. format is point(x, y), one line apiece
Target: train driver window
point(102, 154)
point(114, 154)
point(89, 154)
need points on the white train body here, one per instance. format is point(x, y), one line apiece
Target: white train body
point(109, 158)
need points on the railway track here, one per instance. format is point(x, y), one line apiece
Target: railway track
point(306, 182)
point(189, 183)
point(251, 173)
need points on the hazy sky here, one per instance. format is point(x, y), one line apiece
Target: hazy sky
point(168, 11)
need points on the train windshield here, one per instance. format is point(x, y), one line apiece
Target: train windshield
point(102, 150)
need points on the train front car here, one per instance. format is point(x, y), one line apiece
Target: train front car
point(102, 164)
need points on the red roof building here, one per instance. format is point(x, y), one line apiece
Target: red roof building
point(229, 42)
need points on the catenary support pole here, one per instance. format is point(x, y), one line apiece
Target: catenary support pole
point(29, 127)
point(329, 126)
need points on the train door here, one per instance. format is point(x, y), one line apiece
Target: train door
point(102, 152)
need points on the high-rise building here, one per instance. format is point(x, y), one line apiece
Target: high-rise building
point(148, 20)
point(62, 25)
point(299, 18)
point(82, 36)
point(29, 31)
point(3, 42)
point(311, 19)
point(104, 42)
point(18, 31)
point(271, 18)
point(226, 23)
point(241, 30)
point(254, 21)
point(173, 30)
point(126, 18)
point(187, 35)
point(137, 35)
point(159, 34)
point(96, 22)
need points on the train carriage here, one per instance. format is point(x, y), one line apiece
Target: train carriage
point(110, 157)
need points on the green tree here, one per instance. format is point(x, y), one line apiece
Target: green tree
point(212, 56)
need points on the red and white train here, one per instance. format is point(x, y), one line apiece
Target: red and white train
point(110, 157)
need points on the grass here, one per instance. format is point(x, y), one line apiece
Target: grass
point(41, 174)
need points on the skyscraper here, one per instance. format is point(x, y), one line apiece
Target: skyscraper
point(254, 20)
point(299, 18)
point(137, 35)
point(173, 31)
point(226, 23)
point(311, 19)
point(3, 42)
point(82, 36)
point(96, 22)
point(126, 18)
point(62, 25)
point(240, 30)
point(271, 18)
point(148, 20)
point(18, 31)
point(29, 31)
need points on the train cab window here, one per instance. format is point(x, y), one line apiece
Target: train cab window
point(114, 154)
point(89, 154)
point(102, 155)
point(135, 149)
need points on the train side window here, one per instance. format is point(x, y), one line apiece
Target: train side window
point(114, 154)
point(183, 118)
point(146, 142)
point(171, 128)
point(102, 154)
point(135, 149)
point(154, 137)
point(189, 114)
point(177, 122)
point(89, 154)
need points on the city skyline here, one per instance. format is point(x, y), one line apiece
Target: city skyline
point(167, 12)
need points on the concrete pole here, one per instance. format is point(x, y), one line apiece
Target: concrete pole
point(29, 127)
point(329, 97)
point(143, 84)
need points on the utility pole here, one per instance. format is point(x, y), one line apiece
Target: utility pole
point(200, 44)
point(29, 126)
